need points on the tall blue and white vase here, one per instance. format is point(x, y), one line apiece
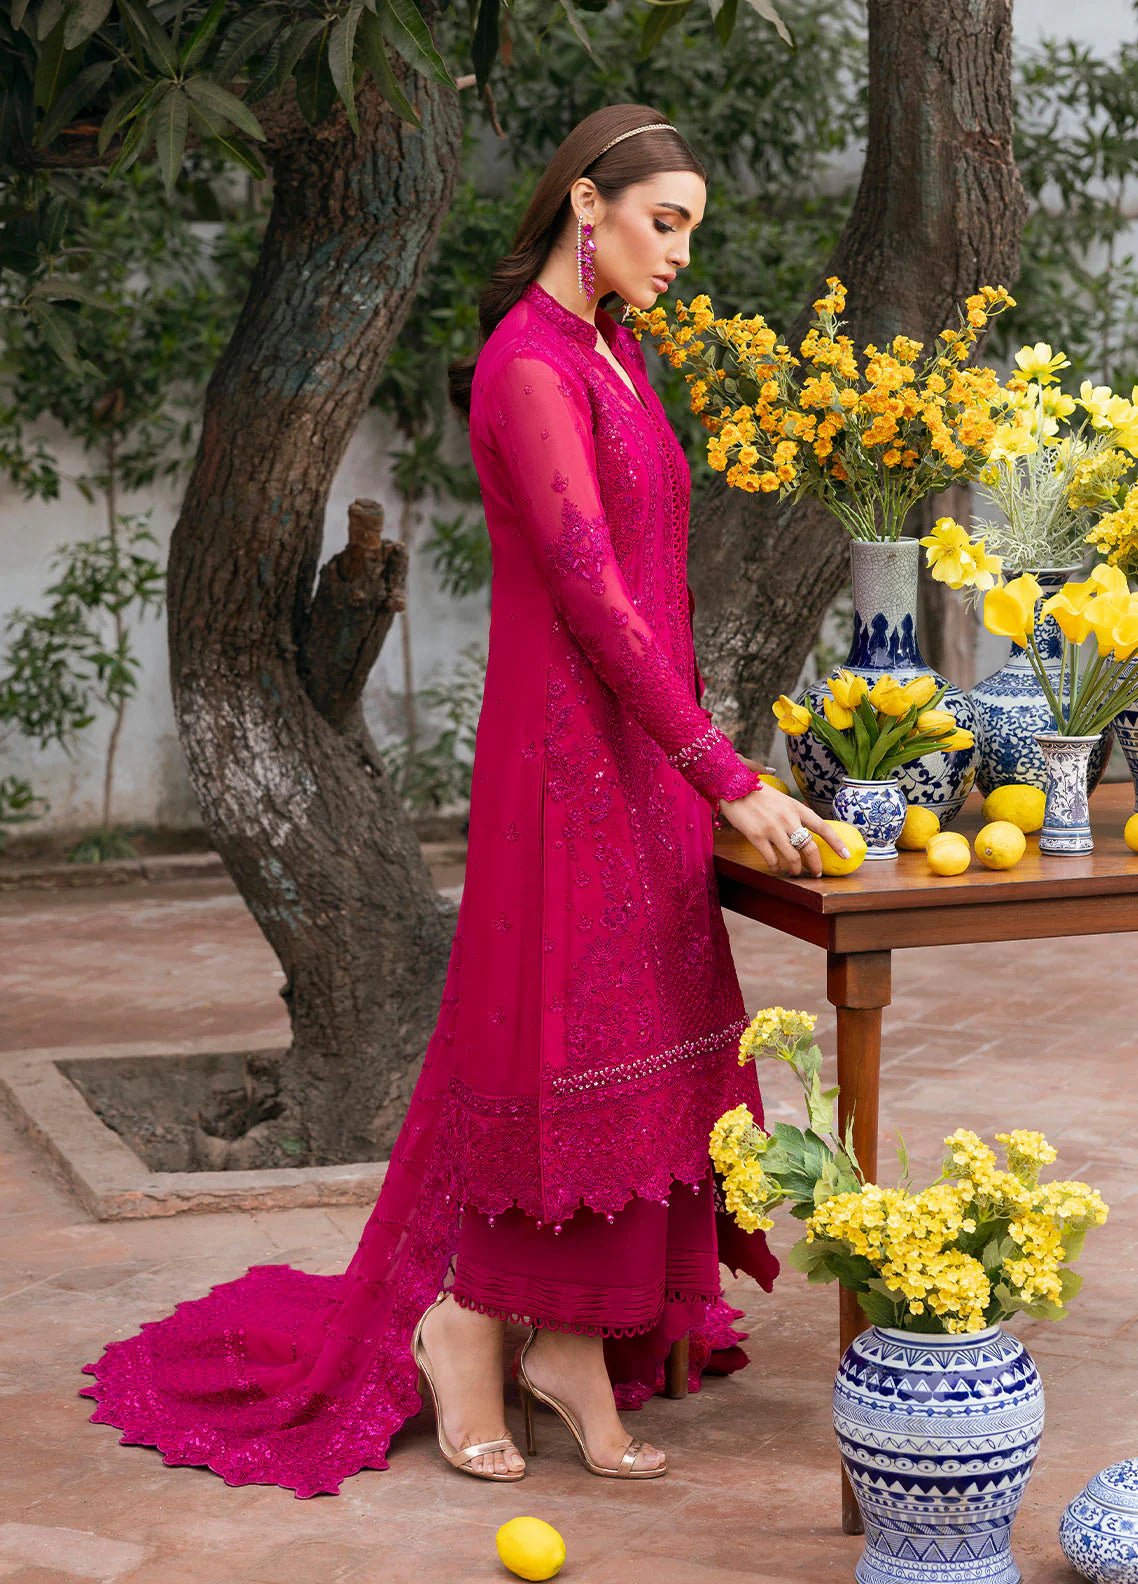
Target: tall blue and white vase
point(1011, 707)
point(885, 643)
point(1126, 733)
point(877, 808)
point(938, 1435)
point(1099, 1529)
point(1067, 815)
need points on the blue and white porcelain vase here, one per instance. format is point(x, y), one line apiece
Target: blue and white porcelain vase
point(877, 808)
point(885, 642)
point(1125, 728)
point(1011, 707)
point(1099, 1530)
point(938, 1435)
point(1067, 814)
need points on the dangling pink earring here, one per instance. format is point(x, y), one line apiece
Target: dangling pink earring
point(586, 247)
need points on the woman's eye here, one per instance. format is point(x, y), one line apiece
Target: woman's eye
point(660, 226)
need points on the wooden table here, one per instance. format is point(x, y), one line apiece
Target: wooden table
point(860, 919)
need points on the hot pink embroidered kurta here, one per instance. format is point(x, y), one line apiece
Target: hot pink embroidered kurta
point(588, 1032)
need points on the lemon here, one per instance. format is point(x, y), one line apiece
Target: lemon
point(1017, 803)
point(948, 853)
point(1130, 833)
point(1000, 845)
point(920, 826)
point(853, 839)
point(777, 782)
point(531, 1548)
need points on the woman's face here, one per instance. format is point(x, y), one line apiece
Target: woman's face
point(643, 238)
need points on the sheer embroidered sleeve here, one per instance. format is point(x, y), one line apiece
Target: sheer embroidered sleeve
point(562, 518)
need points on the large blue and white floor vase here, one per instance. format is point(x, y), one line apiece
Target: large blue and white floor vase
point(1011, 707)
point(1099, 1529)
point(1066, 827)
point(877, 808)
point(1126, 733)
point(885, 643)
point(938, 1435)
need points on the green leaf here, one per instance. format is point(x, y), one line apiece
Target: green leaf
point(51, 13)
point(852, 1270)
point(315, 90)
point(725, 16)
point(158, 47)
point(375, 55)
point(578, 27)
point(769, 14)
point(404, 27)
point(84, 18)
point(484, 45)
point(171, 120)
point(877, 1308)
point(205, 92)
point(805, 1255)
point(51, 70)
point(77, 93)
point(58, 335)
point(198, 41)
point(126, 105)
point(342, 59)
point(55, 288)
point(248, 36)
point(136, 139)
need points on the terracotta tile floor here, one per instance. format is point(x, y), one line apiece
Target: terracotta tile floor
point(1035, 1036)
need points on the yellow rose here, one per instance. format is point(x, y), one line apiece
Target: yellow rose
point(848, 689)
point(889, 697)
point(837, 714)
point(1009, 612)
point(792, 718)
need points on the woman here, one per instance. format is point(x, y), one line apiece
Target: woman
point(553, 1165)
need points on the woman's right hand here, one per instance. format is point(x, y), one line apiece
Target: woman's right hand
point(768, 817)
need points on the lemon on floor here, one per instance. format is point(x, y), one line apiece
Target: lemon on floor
point(531, 1548)
point(1018, 803)
point(948, 853)
point(1000, 844)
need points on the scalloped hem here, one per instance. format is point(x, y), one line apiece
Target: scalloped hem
point(691, 1174)
point(512, 1316)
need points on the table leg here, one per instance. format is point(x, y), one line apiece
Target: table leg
point(859, 985)
point(676, 1369)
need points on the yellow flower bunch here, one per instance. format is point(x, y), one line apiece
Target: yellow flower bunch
point(868, 438)
point(874, 730)
point(1102, 605)
point(775, 1030)
point(736, 1147)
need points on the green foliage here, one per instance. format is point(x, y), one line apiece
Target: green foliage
point(1077, 150)
point(437, 775)
point(18, 800)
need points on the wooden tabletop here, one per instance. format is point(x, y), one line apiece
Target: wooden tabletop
point(900, 902)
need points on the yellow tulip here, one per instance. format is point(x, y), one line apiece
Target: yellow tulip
point(920, 690)
point(932, 721)
point(959, 739)
point(792, 718)
point(1009, 612)
point(848, 689)
point(889, 697)
point(837, 714)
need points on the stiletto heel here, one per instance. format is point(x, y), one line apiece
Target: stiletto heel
point(461, 1458)
point(529, 1393)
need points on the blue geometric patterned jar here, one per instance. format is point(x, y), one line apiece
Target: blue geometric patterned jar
point(885, 642)
point(938, 1435)
point(1099, 1530)
point(1125, 728)
point(877, 808)
point(1011, 706)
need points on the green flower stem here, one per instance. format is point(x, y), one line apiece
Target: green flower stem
point(1037, 665)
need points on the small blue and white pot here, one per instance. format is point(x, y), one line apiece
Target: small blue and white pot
point(1099, 1530)
point(938, 1435)
point(885, 643)
point(877, 808)
point(1125, 727)
point(1011, 706)
point(1067, 814)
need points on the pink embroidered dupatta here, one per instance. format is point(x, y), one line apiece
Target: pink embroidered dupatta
point(590, 1019)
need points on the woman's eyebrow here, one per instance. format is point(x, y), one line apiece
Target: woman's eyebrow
point(679, 208)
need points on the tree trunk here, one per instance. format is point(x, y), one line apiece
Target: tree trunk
point(939, 212)
point(267, 675)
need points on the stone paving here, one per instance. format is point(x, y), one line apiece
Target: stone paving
point(1041, 1035)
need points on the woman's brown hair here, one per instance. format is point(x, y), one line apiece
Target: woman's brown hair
point(633, 160)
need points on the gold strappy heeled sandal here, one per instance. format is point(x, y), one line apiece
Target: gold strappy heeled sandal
point(461, 1457)
point(530, 1393)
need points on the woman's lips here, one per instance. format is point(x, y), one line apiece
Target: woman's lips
point(661, 282)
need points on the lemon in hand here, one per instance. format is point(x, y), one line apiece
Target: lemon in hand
point(853, 840)
point(1000, 845)
point(531, 1548)
point(948, 853)
point(1017, 803)
point(1130, 833)
point(775, 781)
point(920, 826)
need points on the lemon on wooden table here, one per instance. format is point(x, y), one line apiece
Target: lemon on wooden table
point(948, 853)
point(777, 782)
point(852, 838)
point(531, 1548)
point(920, 826)
point(1017, 803)
point(1000, 845)
point(1130, 833)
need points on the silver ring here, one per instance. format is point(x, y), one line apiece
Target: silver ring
point(799, 837)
